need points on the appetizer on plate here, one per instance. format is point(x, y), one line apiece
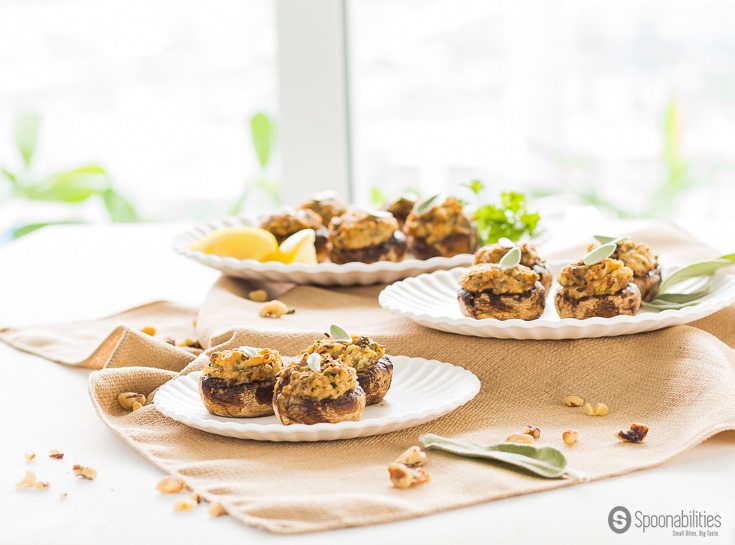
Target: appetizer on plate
point(640, 259)
point(240, 382)
point(326, 204)
point(503, 290)
point(366, 236)
point(493, 253)
point(374, 369)
point(401, 208)
point(287, 222)
point(439, 229)
point(597, 286)
point(317, 389)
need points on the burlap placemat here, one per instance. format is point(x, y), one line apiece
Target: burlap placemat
point(680, 381)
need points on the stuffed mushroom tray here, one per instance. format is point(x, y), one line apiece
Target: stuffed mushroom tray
point(416, 386)
point(324, 241)
point(617, 288)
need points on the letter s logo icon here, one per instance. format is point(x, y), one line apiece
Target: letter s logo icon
point(619, 519)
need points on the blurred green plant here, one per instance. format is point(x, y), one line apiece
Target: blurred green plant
point(262, 137)
point(678, 179)
point(73, 186)
point(379, 197)
point(508, 218)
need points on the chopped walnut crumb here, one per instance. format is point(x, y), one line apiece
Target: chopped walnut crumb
point(572, 401)
point(186, 504)
point(635, 434)
point(273, 309)
point(170, 485)
point(533, 431)
point(259, 296)
point(403, 476)
point(149, 330)
point(598, 409)
point(29, 481)
point(56, 454)
point(127, 400)
point(88, 473)
point(519, 438)
point(196, 497)
point(63, 495)
point(30, 456)
point(216, 509)
point(413, 457)
point(570, 437)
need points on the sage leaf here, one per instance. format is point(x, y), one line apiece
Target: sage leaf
point(511, 258)
point(424, 205)
point(701, 268)
point(546, 462)
point(604, 239)
point(314, 361)
point(598, 254)
point(505, 242)
point(248, 350)
point(339, 334)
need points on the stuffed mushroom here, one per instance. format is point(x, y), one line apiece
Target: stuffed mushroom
point(326, 204)
point(644, 264)
point(489, 290)
point(240, 382)
point(374, 369)
point(439, 229)
point(603, 289)
point(493, 253)
point(317, 389)
point(365, 236)
point(401, 208)
point(287, 222)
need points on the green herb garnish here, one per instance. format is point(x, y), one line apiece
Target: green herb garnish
point(511, 258)
point(339, 334)
point(424, 205)
point(510, 218)
point(314, 361)
point(545, 462)
point(598, 254)
point(248, 351)
point(687, 285)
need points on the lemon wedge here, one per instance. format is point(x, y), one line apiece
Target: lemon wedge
point(239, 242)
point(299, 248)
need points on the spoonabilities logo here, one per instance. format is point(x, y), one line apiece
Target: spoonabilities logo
point(619, 519)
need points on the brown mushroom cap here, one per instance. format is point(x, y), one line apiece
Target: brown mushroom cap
point(528, 305)
point(392, 250)
point(626, 301)
point(225, 398)
point(649, 284)
point(375, 380)
point(299, 410)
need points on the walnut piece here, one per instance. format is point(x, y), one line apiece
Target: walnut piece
point(88, 473)
point(56, 454)
point(533, 431)
point(570, 437)
point(127, 400)
point(170, 485)
point(29, 481)
point(519, 438)
point(30, 456)
point(635, 434)
point(413, 457)
point(273, 309)
point(149, 330)
point(259, 296)
point(598, 409)
point(403, 476)
point(572, 401)
point(216, 509)
point(186, 504)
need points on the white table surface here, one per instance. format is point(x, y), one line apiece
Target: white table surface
point(65, 273)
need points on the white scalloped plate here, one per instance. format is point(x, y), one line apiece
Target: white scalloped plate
point(431, 300)
point(325, 274)
point(422, 391)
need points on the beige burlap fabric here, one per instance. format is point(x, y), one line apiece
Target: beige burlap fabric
point(680, 381)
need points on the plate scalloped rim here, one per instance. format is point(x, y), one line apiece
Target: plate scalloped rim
point(402, 298)
point(179, 400)
point(300, 273)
